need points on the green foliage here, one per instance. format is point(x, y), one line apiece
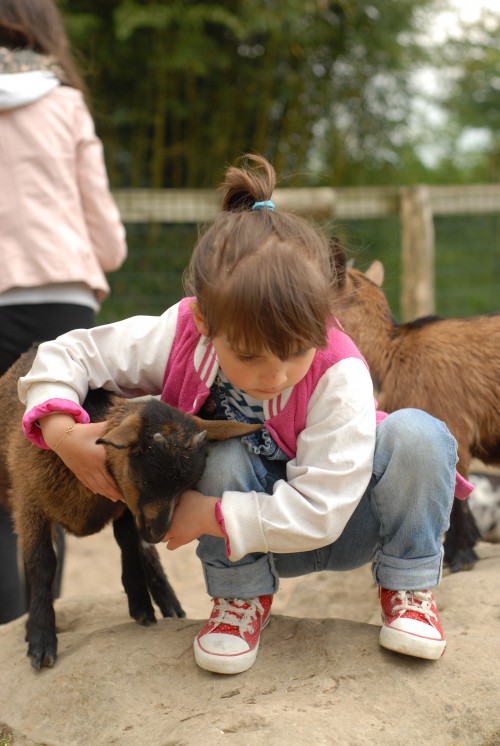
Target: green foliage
point(472, 102)
point(182, 88)
point(178, 17)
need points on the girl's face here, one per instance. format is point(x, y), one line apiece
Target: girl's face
point(261, 375)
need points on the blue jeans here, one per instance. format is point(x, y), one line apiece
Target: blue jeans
point(398, 526)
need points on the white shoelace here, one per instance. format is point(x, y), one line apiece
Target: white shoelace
point(405, 601)
point(232, 613)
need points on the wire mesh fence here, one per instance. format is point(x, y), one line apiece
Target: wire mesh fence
point(163, 226)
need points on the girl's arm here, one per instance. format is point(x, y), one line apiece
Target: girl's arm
point(194, 516)
point(75, 445)
point(325, 482)
point(128, 357)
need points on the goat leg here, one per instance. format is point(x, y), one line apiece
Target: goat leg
point(158, 584)
point(59, 544)
point(41, 564)
point(461, 538)
point(133, 574)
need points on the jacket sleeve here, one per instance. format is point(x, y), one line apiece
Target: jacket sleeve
point(128, 357)
point(325, 481)
point(104, 224)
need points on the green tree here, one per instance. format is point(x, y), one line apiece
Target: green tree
point(473, 101)
point(181, 87)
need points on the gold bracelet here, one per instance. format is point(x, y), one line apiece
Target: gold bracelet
point(68, 431)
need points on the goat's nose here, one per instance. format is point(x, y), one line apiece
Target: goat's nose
point(152, 530)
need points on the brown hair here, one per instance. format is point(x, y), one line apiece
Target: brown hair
point(265, 278)
point(37, 25)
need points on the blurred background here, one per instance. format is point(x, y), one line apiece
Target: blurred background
point(378, 104)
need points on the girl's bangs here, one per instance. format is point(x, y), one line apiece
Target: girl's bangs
point(255, 317)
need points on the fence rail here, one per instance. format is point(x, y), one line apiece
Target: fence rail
point(200, 205)
point(416, 207)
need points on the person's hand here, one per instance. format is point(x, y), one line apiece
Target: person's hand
point(78, 450)
point(193, 517)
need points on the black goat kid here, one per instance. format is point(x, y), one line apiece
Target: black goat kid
point(154, 453)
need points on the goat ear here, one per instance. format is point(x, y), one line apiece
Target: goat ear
point(106, 442)
point(338, 259)
point(224, 429)
point(123, 435)
point(375, 273)
point(167, 444)
point(199, 438)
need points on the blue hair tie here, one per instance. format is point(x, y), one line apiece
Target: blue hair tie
point(261, 205)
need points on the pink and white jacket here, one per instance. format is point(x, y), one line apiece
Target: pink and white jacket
point(60, 229)
point(326, 423)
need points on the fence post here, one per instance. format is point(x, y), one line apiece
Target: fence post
point(417, 296)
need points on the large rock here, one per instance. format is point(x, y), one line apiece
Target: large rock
point(316, 681)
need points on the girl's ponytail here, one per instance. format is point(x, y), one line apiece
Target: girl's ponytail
point(263, 278)
point(246, 186)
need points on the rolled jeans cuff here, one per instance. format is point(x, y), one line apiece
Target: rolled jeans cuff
point(398, 574)
point(258, 578)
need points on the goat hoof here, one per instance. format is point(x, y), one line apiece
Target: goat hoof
point(46, 662)
point(175, 612)
point(42, 649)
point(146, 619)
point(169, 604)
point(462, 561)
point(42, 659)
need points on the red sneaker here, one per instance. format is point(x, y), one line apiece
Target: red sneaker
point(229, 641)
point(411, 624)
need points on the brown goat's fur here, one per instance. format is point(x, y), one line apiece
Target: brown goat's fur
point(154, 453)
point(447, 367)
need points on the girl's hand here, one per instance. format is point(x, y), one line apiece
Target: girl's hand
point(193, 517)
point(78, 450)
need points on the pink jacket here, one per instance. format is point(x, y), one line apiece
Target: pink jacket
point(187, 377)
point(58, 220)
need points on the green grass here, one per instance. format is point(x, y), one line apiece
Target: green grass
point(467, 264)
point(151, 278)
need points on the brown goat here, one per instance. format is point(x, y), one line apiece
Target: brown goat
point(154, 453)
point(447, 367)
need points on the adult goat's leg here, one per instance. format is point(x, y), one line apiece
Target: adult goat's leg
point(461, 538)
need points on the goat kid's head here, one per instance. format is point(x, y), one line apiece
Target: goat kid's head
point(360, 297)
point(155, 453)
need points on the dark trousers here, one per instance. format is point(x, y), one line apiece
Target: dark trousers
point(20, 326)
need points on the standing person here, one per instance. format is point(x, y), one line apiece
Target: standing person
point(60, 229)
point(322, 486)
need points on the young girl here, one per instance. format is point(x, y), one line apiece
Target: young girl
point(60, 228)
point(322, 486)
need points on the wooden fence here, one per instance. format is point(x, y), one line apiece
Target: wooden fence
point(416, 207)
